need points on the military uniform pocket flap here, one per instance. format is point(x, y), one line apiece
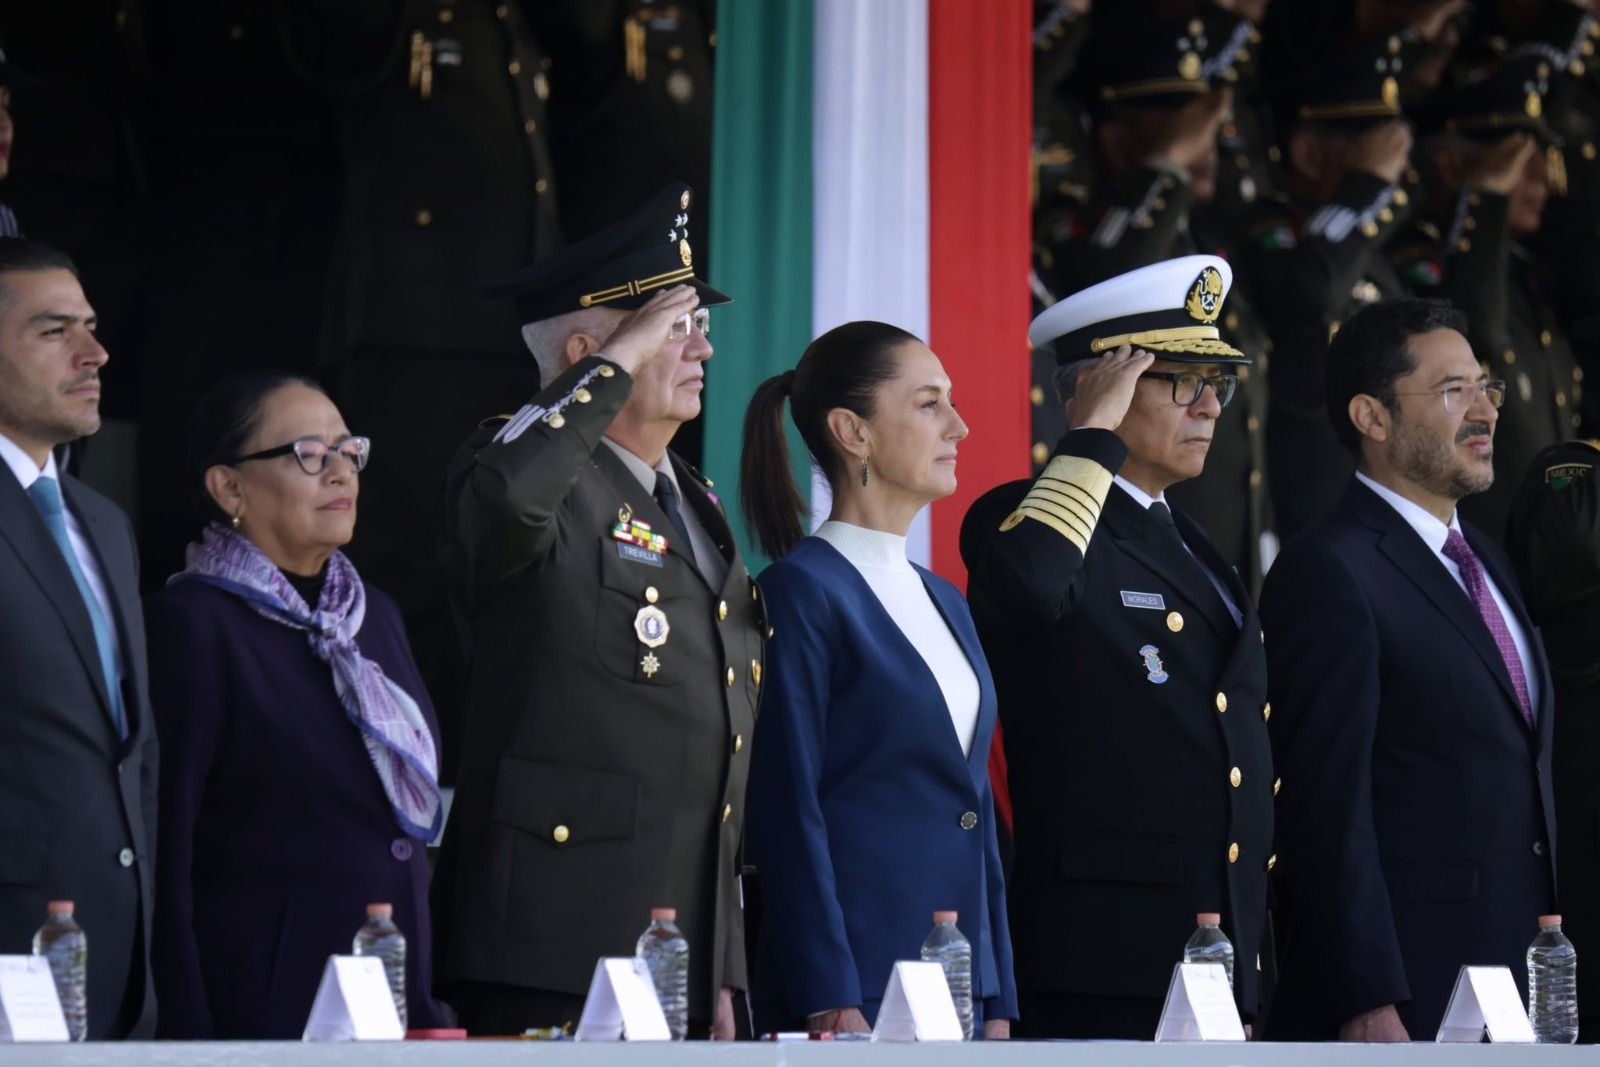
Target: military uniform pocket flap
point(1152, 861)
point(565, 806)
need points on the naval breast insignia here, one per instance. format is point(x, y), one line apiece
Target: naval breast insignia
point(1155, 671)
point(651, 626)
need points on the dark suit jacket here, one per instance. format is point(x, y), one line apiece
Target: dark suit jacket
point(77, 806)
point(275, 830)
point(1416, 824)
point(865, 817)
point(1138, 803)
point(601, 777)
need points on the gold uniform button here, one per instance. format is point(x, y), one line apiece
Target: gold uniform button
point(1545, 338)
point(514, 68)
point(969, 819)
point(1272, 861)
point(582, 396)
point(1510, 358)
point(1235, 777)
point(560, 835)
point(556, 421)
point(1400, 198)
point(1222, 702)
point(424, 217)
point(1561, 399)
point(606, 370)
point(1233, 852)
point(770, 632)
point(1253, 423)
point(1255, 479)
point(727, 812)
point(447, 16)
point(1041, 453)
point(529, 126)
point(502, 11)
point(1469, 223)
point(651, 595)
point(1385, 215)
point(738, 742)
point(1266, 713)
point(755, 591)
point(755, 671)
point(1036, 396)
point(731, 677)
point(1174, 621)
point(1277, 784)
point(722, 610)
point(541, 186)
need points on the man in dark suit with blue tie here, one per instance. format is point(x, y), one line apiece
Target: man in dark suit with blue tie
point(1129, 667)
point(77, 746)
point(1414, 706)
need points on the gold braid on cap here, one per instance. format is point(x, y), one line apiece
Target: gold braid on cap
point(1067, 497)
point(1197, 340)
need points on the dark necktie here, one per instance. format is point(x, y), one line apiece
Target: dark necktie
point(667, 497)
point(1460, 553)
point(46, 495)
point(1167, 530)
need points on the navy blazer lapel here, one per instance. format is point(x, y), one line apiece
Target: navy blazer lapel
point(24, 527)
point(956, 616)
point(1414, 559)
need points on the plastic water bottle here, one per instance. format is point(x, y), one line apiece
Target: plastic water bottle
point(1553, 984)
point(950, 949)
point(1209, 944)
point(664, 950)
point(380, 937)
point(62, 943)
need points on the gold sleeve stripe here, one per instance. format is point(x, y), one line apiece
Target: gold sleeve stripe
point(1079, 477)
point(1067, 507)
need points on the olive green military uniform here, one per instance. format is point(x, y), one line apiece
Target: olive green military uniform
point(613, 696)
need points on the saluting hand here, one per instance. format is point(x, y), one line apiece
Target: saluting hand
point(1104, 390)
point(641, 336)
point(1383, 150)
point(1501, 167)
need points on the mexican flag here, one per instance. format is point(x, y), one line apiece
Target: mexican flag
point(871, 161)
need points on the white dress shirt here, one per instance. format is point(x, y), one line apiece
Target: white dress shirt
point(27, 473)
point(1434, 534)
point(707, 557)
point(1144, 500)
point(880, 559)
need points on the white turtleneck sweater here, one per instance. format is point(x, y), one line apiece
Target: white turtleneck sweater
point(880, 559)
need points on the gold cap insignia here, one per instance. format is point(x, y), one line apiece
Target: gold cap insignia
point(1204, 303)
point(685, 253)
point(1189, 66)
point(1534, 105)
point(1391, 93)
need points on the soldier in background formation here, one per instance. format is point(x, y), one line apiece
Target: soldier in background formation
point(1337, 152)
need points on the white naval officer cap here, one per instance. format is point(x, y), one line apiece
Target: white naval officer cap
point(1169, 309)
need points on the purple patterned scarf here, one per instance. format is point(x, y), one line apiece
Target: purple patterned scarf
point(392, 725)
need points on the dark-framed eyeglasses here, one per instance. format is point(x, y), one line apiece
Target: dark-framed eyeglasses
point(1186, 385)
point(1461, 397)
point(699, 318)
point(314, 454)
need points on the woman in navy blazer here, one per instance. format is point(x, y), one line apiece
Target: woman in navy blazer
point(869, 806)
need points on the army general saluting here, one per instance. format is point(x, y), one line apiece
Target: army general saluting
point(615, 650)
point(1129, 665)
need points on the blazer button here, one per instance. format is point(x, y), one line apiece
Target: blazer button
point(1235, 776)
point(1272, 861)
point(727, 812)
point(1277, 784)
point(1233, 852)
point(125, 857)
point(651, 594)
point(1222, 703)
point(1538, 849)
point(1266, 713)
point(969, 819)
point(560, 835)
point(400, 849)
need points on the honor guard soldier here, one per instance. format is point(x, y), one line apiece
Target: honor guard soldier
point(1315, 253)
point(1130, 669)
point(616, 643)
point(1489, 180)
point(1554, 543)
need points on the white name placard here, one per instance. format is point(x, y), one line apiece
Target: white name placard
point(1199, 1006)
point(1485, 1001)
point(29, 1007)
point(354, 1003)
point(622, 1004)
point(917, 1005)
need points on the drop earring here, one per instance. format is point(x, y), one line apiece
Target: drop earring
point(864, 475)
point(235, 522)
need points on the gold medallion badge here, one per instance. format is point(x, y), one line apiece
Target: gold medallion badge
point(1204, 303)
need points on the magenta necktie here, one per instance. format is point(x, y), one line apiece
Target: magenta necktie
point(1461, 554)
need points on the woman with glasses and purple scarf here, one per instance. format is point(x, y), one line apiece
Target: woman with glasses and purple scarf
point(299, 770)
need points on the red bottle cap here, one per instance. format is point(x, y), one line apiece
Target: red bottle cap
point(1547, 921)
point(64, 907)
point(1208, 918)
point(380, 911)
point(664, 914)
point(944, 917)
point(436, 1035)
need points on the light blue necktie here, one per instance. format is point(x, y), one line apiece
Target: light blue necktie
point(46, 496)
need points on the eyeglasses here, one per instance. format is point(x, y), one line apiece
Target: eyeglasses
point(1186, 386)
point(1459, 398)
point(314, 455)
point(700, 319)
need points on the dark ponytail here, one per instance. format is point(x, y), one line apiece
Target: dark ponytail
point(841, 369)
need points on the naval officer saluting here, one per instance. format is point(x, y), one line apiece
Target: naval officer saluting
point(616, 643)
point(1129, 666)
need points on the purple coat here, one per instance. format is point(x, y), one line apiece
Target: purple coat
point(274, 830)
